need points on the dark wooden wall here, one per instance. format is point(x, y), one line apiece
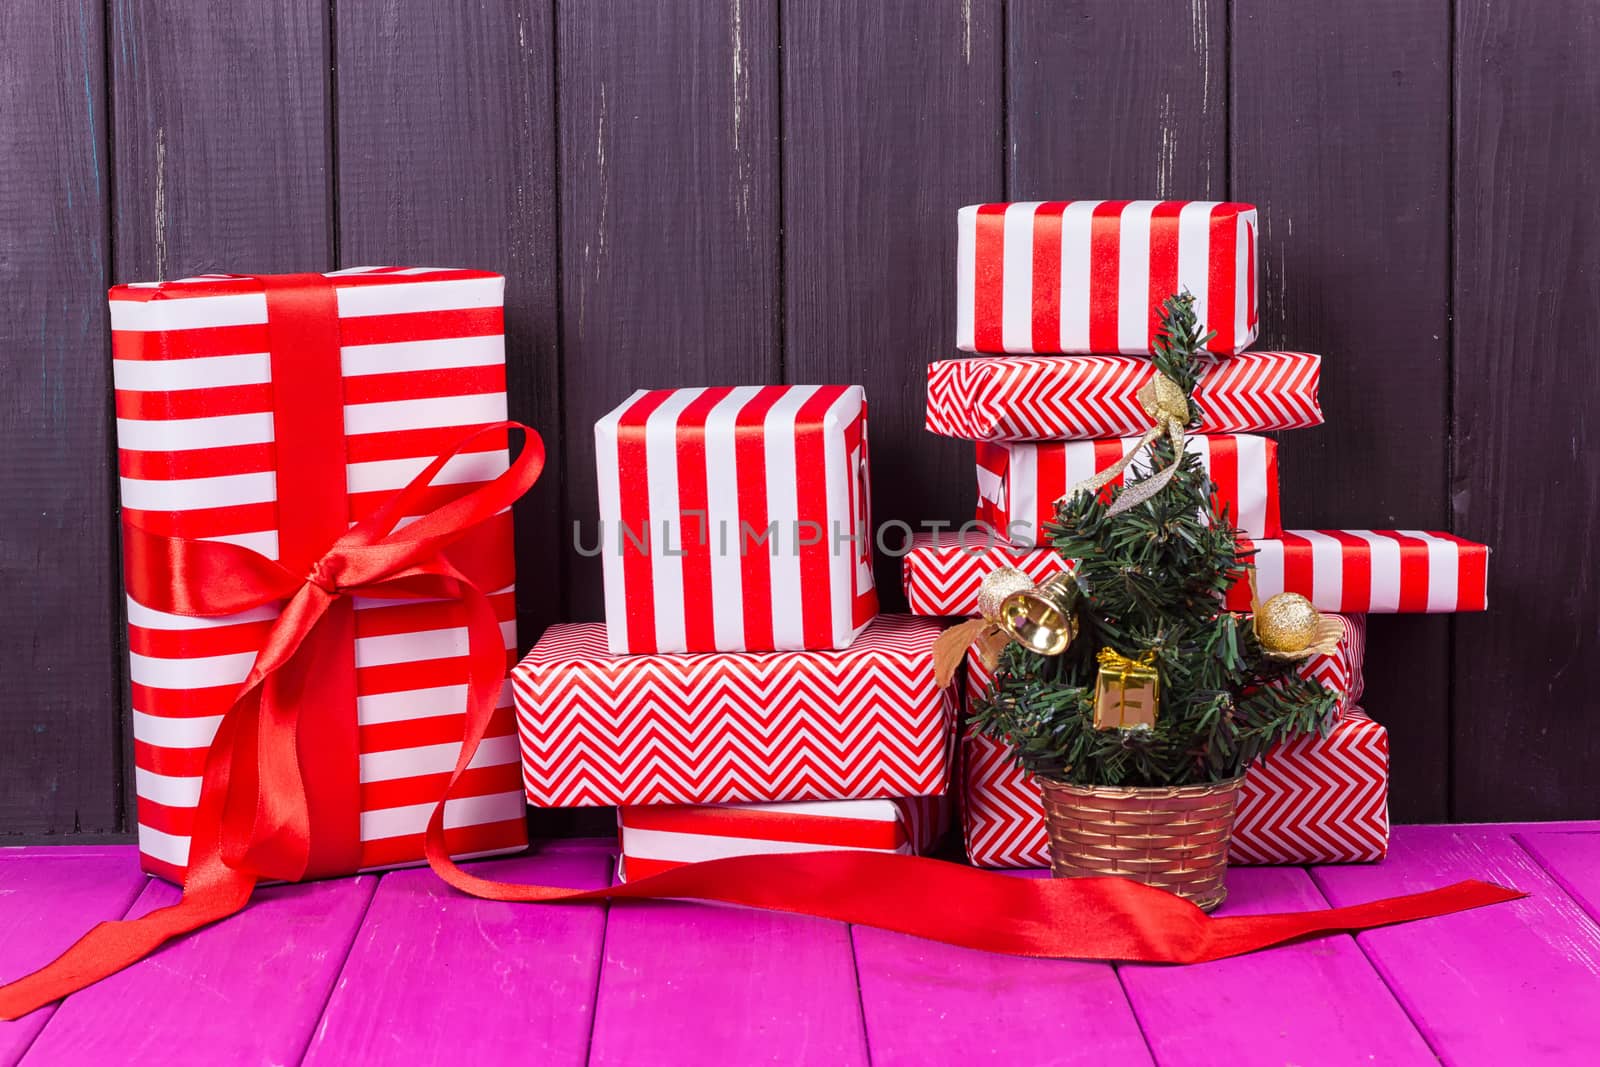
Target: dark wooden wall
point(738, 191)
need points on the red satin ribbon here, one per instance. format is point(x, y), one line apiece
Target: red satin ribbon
point(255, 821)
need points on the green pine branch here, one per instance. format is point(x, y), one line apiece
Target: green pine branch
point(1153, 579)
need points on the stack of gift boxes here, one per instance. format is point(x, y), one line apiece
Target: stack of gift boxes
point(1074, 290)
point(744, 695)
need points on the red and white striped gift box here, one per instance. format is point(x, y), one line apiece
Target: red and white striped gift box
point(1019, 481)
point(736, 519)
point(422, 354)
point(1090, 275)
point(1355, 572)
point(658, 838)
point(1309, 800)
point(1064, 398)
point(862, 722)
point(1372, 571)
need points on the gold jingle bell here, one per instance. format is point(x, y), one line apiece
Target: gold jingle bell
point(1040, 618)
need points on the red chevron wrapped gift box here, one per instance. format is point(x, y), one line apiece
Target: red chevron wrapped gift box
point(1019, 481)
point(204, 452)
point(1308, 800)
point(735, 519)
point(1065, 398)
point(1090, 275)
point(1355, 572)
point(862, 722)
point(656, 838)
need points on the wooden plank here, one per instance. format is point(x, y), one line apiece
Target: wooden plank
point(1104, 100)
point(701, 984)
point(669, 222)
point(1349, 164)
point(1527, 254)
point(59, 642)
point(924, 1002)
point(869, 250)
point(52, 897)
point(446, 118)
point(249, 989)
point(1317, 1002)
point(429, 959)
point(222, 137)
point(1573, 860)
point(1514, 983)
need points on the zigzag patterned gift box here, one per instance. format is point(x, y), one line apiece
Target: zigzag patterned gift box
point(1019, 481)
point(1309, 800)
point(1090, 275)
point(1065, 398)
point(857, 723)
point(1356, 572)
point(197, 363)
point(656, 838)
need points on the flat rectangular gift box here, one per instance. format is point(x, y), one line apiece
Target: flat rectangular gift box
point(1308, 800)
point(1356, 572)
point(1019, 481)
point(657, 838)
point(735, 519)
point(858, 723)
point(1068, 398)
point(1090, 275)
point(422, 362)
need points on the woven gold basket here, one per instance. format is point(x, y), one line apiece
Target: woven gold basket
point(1175, 838)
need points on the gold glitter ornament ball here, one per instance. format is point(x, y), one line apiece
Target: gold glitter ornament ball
point(1286, 623)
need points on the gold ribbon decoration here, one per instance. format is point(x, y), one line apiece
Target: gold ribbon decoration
point(1011, 608)
point(1166, 403)
point(1289, 627)
point(1115, 706)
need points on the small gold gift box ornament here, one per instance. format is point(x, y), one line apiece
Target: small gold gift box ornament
point(1039, 617)
point(1127, 691)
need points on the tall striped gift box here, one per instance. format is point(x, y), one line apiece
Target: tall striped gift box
point(730, 727)
point(1090, 275)
point(1019, 481)
point(657, 838)
point(1068, 398)
point(202, 455)
point(1355, 572)
point(1307, 800)
point(736, 519)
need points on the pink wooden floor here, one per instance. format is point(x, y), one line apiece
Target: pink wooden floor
point(398, 969)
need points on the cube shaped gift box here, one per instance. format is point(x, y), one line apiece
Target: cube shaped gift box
point(270, 413)
point(735, 519)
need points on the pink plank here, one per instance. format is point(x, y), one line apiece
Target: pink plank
point(1573, 860)
point(439, 977)
point(248, 989)
point(1318, 1002)
point(699, 984)
point(1514, 983)
point(930, 1003)
point(49, 897)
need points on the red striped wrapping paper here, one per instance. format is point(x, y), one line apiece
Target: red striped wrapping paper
point(857, 723)
point(658, 838)
point(1356, 572)
point(1309, 800)
point(1065, 398)
point(422, 362)
point(736, 519)
point(1019, 481)
point(1090, 275)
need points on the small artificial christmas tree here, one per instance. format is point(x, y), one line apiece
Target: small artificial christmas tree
point(1160, 686)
